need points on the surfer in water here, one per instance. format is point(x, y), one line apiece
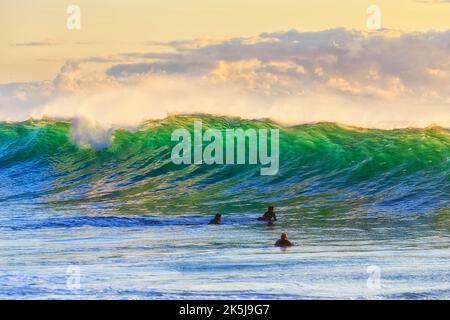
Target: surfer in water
point(269, 215)
point(217, 219)
point(283, 241)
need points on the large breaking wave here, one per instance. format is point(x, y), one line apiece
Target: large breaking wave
point(322, 165)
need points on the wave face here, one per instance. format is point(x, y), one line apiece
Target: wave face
point(322, 167)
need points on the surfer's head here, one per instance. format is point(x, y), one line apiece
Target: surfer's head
point(270, 209)
point(216, 219)
point(284, 236)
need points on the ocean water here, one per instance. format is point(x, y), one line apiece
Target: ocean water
point(121, 221)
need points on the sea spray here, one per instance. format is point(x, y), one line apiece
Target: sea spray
point(88, 133)
point(158, 96)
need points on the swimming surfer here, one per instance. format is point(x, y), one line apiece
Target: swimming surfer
point(283, 241)
point(217, 219)
point(269, 215)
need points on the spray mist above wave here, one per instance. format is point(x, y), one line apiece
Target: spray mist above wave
point(86, 133)
point(157, 97)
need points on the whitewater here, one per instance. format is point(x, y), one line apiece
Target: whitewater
point(108, 200)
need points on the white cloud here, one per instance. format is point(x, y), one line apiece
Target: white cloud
point(408, 64)
point(339, 75)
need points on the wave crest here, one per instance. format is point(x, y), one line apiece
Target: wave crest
point(401, 169)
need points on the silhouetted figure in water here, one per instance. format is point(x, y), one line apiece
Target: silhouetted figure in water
point(269, 215)
point(283, 242)
point(217, 219)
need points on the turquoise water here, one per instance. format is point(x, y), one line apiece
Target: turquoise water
point(134, 224)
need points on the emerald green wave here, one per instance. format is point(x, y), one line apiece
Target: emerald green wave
point(322, 166)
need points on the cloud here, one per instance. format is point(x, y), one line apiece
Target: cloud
point(51, 43)
point(433, 1)
point(124, 70)
point(186, 44)
point(379, 65)
point(35, 44)
point(380, 79)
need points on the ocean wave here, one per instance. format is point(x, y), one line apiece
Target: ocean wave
point(40, 162)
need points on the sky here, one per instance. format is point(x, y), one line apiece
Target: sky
point(291, 61)
point(114, 26)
